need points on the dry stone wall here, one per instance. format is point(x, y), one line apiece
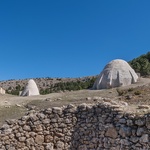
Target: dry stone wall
point(100, 126)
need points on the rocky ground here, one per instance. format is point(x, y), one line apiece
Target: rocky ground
point(136, 96)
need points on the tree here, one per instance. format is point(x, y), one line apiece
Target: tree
point(141, 64)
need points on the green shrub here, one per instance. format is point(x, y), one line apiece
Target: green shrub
point(130, 89)
point(137, 92)
point(141, 64)
point(69, 86)
point(120, 92)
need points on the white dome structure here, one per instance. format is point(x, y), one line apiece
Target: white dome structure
point(30, 89)
point(115, 74)
point(2, 91)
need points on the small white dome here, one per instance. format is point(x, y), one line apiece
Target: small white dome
point(30, 89)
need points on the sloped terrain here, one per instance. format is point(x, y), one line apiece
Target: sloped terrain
point(135, 95)
point(49, 85)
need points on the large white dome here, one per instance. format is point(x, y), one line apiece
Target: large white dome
point(116, 73)
point(30, 89)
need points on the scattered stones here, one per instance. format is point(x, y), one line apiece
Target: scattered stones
point(143, 107)
point(18, 105)
point(88, 98)
point(7, 106)
point(31, 107)
point(123, 103)
point(96, 98)
point(129, 97)
point(48, 99)
point(107, 100)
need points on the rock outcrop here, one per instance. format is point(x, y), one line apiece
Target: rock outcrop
point(115, 74)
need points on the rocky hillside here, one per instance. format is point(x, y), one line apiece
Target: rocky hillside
point(49, 85)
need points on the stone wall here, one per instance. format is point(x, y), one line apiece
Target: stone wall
point(100, 126)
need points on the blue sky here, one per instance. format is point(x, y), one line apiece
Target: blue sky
point(70, 38)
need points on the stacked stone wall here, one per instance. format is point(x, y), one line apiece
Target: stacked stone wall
point(100, 126)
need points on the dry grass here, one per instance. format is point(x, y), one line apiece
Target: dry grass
point(11, 113)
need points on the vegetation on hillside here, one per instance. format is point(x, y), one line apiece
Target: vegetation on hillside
point(14, 91)
point(69, 86)
point(87, 83)
point(141, 64)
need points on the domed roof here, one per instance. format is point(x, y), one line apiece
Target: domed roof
point(30, 89)
point(116, 73)
point(117, 63)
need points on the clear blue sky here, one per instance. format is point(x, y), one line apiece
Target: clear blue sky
point(70, 38)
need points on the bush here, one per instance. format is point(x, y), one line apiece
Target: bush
point(130, 89)
point(120, 92)
point(141, 64)
point(69, 86)
point(14, 91)
point(137, 92)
